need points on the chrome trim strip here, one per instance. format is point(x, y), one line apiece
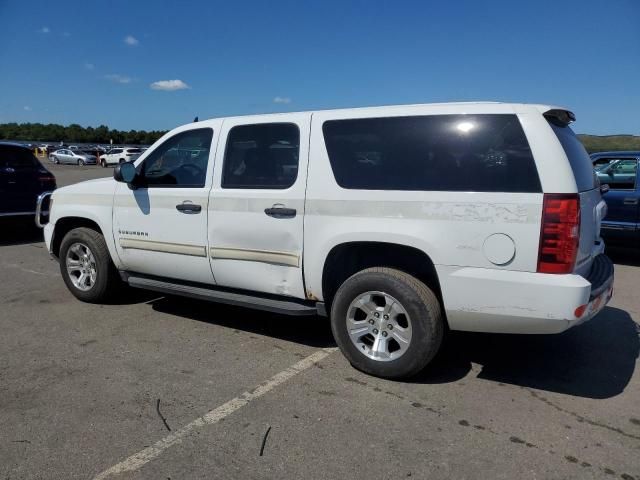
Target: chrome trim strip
point(273, 257)
point(12, 214)
point(163, 247)
point(39, 201)
point(611, 225)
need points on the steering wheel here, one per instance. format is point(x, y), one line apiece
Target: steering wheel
point(194, 170)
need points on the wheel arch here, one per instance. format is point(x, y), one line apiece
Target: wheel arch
point(65, 224)
point(348, 258)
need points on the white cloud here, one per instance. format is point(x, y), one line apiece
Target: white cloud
point(44, 30)
point(283, 100)
point(131, 40)
point(27, 108)
point(89, 66)
point(114, 77)
point(169, 85)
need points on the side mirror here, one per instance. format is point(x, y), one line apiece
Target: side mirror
point(125, 172)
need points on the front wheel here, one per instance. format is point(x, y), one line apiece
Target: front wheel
point(387, 322)
point(55, 160)
point(103, 164)
point(86, 266)
point(81, 163)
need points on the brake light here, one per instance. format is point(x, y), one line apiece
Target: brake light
point(559, 233)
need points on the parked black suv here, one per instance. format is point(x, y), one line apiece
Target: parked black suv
point(22, 179)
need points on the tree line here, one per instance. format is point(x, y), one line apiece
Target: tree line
point(74, 133)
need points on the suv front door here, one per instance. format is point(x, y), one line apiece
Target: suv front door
point(160, 226)
point(256, 208)
point(623, 205)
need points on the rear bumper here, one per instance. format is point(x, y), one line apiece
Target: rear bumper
point(502, 301)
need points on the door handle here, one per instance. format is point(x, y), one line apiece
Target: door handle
point(189, 208)
point(280, 211)
point(630, 201)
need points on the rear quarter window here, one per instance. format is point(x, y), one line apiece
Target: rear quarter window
point(477, 153)
point(579, 159)
point(17, 158)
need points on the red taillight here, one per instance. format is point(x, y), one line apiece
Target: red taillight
point(560, 233)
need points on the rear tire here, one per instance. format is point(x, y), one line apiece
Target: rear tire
point(84, 252)
point(121, 161)
point(387, 322)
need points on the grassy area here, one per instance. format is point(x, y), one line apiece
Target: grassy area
point(598, 143)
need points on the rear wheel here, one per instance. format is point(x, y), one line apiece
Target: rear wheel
point(121, 161)
point(86, 266)
point(387, 322)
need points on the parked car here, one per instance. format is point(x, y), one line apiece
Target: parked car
point(619, 170)
point(22, 179)
point(77, 157)
point(408, 220)
point(119, 155)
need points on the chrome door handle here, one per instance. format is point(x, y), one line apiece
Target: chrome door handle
point(630, 201)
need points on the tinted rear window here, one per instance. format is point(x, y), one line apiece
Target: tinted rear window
point(478, 153)
point(15, 157)
point(578, 157)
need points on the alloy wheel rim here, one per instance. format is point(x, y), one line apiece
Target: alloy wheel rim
point(81, 266)
point(379, 326)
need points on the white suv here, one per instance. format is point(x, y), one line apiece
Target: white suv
point(116, 156)
point(398, 222)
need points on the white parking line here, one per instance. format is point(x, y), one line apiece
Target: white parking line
point(137, 460)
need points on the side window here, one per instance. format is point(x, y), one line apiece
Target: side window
point(475, 153)
point(261, 156)
point(180, 161)
point(619, 174)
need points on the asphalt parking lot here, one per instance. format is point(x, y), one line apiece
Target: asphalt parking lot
point(157, 387)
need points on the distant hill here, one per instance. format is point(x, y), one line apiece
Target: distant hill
point(601, 143)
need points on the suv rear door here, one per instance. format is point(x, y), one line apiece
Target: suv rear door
point(256, 208)
point(20, 182)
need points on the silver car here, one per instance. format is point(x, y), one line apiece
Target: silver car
point(64, 155)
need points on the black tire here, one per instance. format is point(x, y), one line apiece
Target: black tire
point(103, 164)
point(81, 163)
point(107, 282)
point(55, 160)
point(121, 161)
point(421, 305)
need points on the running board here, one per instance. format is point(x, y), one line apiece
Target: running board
point(284, 307)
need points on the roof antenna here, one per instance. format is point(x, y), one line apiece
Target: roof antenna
point(195, 119)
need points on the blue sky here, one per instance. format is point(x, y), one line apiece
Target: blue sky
point(96, 62)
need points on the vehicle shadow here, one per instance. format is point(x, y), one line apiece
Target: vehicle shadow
point(624, 255)
point(19, 231)
point(594, 360)
point(308, 330)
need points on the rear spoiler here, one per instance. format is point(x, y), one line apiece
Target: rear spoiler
point(562, 118)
